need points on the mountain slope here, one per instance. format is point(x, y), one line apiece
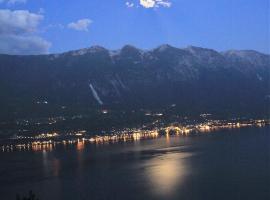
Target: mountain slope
point(195, 79)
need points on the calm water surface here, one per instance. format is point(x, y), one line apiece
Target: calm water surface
point(222, 165)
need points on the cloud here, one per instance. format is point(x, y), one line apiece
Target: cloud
point(18, 21)
point(163, 3)
point(18, 33)
point(80, 25)
point(155, 3)
point(13, 1)
point(148, 3)
point(23, 45)
point(130, 4)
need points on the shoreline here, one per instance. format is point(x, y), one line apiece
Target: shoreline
point(49, 141)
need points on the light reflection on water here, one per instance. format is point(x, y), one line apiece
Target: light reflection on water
point(167, 172)
point(164, 168)
point(80, 145)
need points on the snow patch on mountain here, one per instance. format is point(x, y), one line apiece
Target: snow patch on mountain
point(121, 82)
point(95, 94)
point(115, 86)
point(113, 53)
point(84, 51)
point(163, 47)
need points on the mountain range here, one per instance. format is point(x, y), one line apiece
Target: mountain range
point(190, 80)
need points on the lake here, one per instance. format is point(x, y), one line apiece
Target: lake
point(228, 164)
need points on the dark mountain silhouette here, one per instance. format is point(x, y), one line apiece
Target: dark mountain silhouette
point(193, 79)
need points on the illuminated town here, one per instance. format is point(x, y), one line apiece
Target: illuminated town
point(50, 140)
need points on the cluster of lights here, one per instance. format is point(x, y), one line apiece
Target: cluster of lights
point(48, 145)
point(45, 142)
point(46, 135)
point(153, 114)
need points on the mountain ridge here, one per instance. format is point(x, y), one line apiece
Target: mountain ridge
point(142, 50)
point(195, 79)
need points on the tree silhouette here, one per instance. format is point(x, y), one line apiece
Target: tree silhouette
point(31, 196)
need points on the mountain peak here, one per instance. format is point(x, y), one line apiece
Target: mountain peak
point(202, 52)
point(128, 46)
point(249, 56)
point(97, 48)
point(193, 49)
point(241, 53)
point(129, 50)
point(92, 49)
point(164, 47)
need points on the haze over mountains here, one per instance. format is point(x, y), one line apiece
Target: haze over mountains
point(193, 80)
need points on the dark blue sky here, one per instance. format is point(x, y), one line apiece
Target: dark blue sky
point(66, 25)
